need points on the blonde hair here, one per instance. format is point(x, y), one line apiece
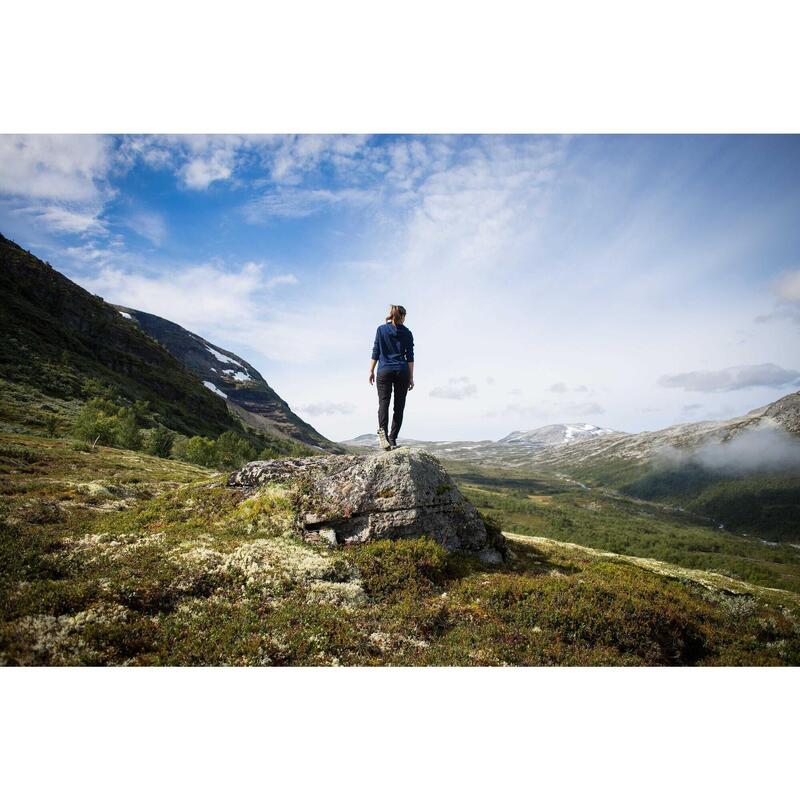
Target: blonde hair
point(396, 314)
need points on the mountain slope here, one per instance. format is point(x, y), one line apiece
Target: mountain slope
point(54, 335)
point(230, 377)
point(557, 446)
point(555, 434)
point(742, 472)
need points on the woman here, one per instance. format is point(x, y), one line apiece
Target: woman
point(393, 352)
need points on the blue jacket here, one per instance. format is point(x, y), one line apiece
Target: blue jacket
point(394, 347)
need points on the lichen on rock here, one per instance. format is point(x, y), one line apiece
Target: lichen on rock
point(390, 495)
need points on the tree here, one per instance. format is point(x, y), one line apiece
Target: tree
point(96, 389)
point(97, 422)
point(159, 442)
point(233, 451)
point(51, 425)
point(128, 433)
point(201, 451)
point(144, 416)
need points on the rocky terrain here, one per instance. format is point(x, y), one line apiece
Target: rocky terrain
point(230, 377)
point(394, 495)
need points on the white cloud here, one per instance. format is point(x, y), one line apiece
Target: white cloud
point(92, 253)
point(326, 409)
point(456, 389)
point(290, 158)
point(201, 171)
point(58, 182)
point(63, 168)
point(196, 160)
point(787, 287)
point(279, 280)
point(191, 294)
point(234, 308)
point(149, 225)
point(731, 378)
point(66, 219)
point(787, 290)
point(299, 203)
point(561, 411)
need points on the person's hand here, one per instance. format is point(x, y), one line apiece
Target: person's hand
point(371, 378)
point(410, 384)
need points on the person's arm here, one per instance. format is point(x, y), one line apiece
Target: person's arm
point(375, 353)
point(410, 359)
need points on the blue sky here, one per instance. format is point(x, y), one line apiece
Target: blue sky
point(628, 281)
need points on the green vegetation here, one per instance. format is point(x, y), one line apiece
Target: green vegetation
point(103, 422)
point(230, 451)
point(108, 419)
point(55, 337)
point(542, 505)
point(764, 505)
point(110, 556)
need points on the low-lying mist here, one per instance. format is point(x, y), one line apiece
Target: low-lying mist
point(754, 450)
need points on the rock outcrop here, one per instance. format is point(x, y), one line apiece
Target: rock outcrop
point(393, 495)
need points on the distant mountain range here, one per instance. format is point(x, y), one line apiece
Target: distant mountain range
point(517, 444)
point(551, 435)
point(582, 444)
point(230, 377)
point(742, 473)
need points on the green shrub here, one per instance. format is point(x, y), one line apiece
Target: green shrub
point(233, 451)
point(97, 422)
point(51, 425)
point(144, 416)
point(15, 454)
point(201, 451)
point(94, 388)
point(159, 442)
point(281, 448)
point(128, 435)
point(391, 568)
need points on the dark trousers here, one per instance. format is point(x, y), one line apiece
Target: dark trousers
point(389, 380)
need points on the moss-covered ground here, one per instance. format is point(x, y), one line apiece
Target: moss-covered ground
point(548, 506)
point(114, 557)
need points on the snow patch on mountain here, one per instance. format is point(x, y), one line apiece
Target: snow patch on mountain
point(222, 357)
point(551, 435)
point(211, 388)
point(237, 375)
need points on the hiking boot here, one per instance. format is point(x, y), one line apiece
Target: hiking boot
point(393, 443)
point(383, 439)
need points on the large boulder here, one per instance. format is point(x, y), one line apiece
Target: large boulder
point(389, 495)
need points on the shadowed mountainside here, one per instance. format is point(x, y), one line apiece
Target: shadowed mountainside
point(230, 377)
point(54, 335)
